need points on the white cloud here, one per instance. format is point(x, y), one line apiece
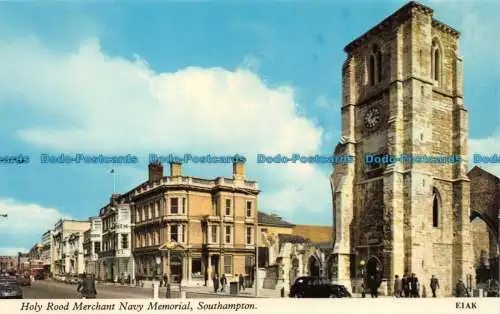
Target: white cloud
point(24, 224)
point(109, 104)
point(26, 219)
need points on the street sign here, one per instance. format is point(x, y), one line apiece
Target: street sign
point(158, 260)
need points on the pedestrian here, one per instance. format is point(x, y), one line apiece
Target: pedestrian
point(398, 287)
point(86, 287)
point(372, 284)
point(414, 286)
point(223, 283)
point(165, 279)
point(406, 285)
point(434, 285)
point(216, 283)
point(461, 290)
point(206, 278)
point(241, 282)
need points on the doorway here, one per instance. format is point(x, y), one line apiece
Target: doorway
point(313, 266)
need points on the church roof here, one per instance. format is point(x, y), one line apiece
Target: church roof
point(272, 220)
point(481, 171)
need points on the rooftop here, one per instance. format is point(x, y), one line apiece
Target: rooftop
point(272, 220)
point(398, 17)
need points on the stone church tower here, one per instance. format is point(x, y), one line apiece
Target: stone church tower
point(402, 95)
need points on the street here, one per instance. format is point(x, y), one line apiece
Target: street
point(48, 289)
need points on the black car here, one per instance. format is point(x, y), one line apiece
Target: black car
point(317, 287)
point(10, 288)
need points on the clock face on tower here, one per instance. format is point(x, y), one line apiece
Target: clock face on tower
point(372, 118)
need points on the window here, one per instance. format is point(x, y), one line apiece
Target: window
point(196, 266)
point(371, 70)
point(124, 241)
point(249, 235)
point(183, 205)
point(435, 209)
point(435, 61)
point(379, 66)
point(213, 234)
point(157, 236)
point(215, 208)
point(97, 247)
point(150, 214)
point(228, 207)
point(174, 233)
point(375, 66)
point(174, 205)
point(228, 234)
point(249, 208)
point(138, 215)
point(228, 264)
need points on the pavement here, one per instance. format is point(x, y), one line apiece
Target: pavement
point(48, 289)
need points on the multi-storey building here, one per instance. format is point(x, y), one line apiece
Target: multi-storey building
point(403, 97)
point(67, 238)
point(92, 239)
point(74, 249)
point(35, 259)
point(9, 263)
point(46, 242)
point(23, 262)
point(115, 258)
point(189, 228)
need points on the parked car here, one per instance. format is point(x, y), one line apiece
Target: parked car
point(317, 287)
point(10, 288)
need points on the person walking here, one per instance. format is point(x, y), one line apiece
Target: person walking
point(461, 290)
point(223, 283)
point(86, 287)
point(372, 284)
point(414, 286)
point(398, 287)
point(434, 285)
point(241, 282)
point(206, 278)
point(406, 285)
point(216, 283)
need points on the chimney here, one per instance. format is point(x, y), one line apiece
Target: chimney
point(155, 171)
point(239, 170)
point(114, 198)
point(175, 169)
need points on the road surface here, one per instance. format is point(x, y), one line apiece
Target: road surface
point(47, 289)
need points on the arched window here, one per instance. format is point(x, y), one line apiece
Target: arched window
point(371, 70)
point(435, 208)
point(379, 66)
point(375, 66)
point(436, 61)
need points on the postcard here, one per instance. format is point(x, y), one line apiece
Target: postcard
point(235, 155)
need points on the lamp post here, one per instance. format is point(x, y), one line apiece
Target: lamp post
point(362, 264)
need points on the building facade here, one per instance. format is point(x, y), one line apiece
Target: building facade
point(67, 247)
point(115, 258)
point(190, 229)
point(45, 255)
point(402, 97)
point(288, 251)
point(9, 263)
point(92, 239)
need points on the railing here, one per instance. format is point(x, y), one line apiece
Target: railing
point(190, 181)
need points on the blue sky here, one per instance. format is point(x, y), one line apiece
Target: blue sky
point(200, 77)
